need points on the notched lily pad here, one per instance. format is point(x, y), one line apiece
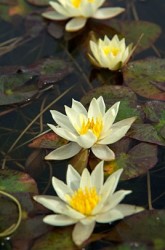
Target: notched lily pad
point(147, 227)
point(143, 76)
point(146, 133)
point(135, 161)
point(14, 181)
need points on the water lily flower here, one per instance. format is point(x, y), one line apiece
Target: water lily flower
point(85, 200)
point(93, 129)
point(79, 11)
point(111, 54)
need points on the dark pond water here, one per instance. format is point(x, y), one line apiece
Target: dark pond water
point(25, 114)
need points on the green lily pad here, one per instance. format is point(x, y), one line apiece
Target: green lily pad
point(16, 88)
point(132, 30)
point(145, 76)
point(14, 181)
point(57, 239)
point(39, 2)
point(147, 227)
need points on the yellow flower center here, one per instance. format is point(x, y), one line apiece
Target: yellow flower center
point(84, 200)
point(95, 125)
point(107, 50)
point(76, 3)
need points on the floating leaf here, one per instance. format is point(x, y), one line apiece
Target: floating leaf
point(135, 161)
point(57, 239)
point(147, 227)
point(16, 88)
point(146, 133)
point(140, 76)
point(48, 140)
point(50, 70)
point(14, 181)
point(132, 30)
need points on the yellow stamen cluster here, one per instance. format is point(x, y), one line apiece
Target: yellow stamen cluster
point(84, 200)
point(76, 3)
point(114, 51)
point(95, 125)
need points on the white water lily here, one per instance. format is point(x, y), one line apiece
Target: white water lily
point(93, 129)
point(79, 11)
point(85, 200)
point(111, 54)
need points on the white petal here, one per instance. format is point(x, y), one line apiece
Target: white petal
point(105, 13)
point(97, 176)
point(87, 140)
point(94, 109)
point(109, 118)
point(101, 103)
point(110, 184)
point(127, 210)
point(54, 15)
point(61, 119)
point(118, 131)
point(72, 178)
point(61, 189)
point(64, 152)
point(85, 179)
point(51, 202)
point(82, 232)
point(64, 133)
point(110, 216)
point(103, 152)
point(59, 8)
point(114, 199)
point(75, 24)
point(78, 107)
point(59, 220)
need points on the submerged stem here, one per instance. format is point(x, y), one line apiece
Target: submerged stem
point(13, 227)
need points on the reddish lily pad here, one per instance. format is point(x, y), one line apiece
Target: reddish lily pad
point(48, 140)
point(135, 161)
point(144, 77)
point(147, 227)
point(14, 181)
point(146, 133)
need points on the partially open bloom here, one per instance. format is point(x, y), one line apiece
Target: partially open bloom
point(85, 200)
point(79, 11)
point(92, 129)
point(111, 54)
